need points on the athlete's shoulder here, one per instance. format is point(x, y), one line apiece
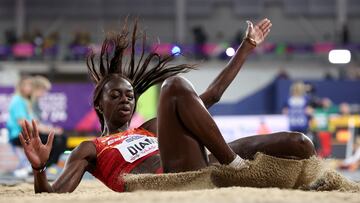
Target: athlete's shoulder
point(86, 144)
point(85, 149)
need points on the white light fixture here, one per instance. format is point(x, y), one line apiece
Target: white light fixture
point(176, 50)
point(230, 52)
point(339, 56)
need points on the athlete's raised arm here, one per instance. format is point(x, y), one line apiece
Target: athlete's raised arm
point(254, 36)
point(80, 160)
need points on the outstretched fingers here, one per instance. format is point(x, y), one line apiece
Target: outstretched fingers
point(35, 129)
point(263, 23)
point(266, 33)
point(28, 129)
point(267, 26)
point(50, 139)
point(23, 140)
point(24, 131)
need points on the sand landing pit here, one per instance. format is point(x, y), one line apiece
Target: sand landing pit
point(213, 184)
point(263, 172)
point(96, 192)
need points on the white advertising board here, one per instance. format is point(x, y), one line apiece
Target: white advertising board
point(235, 127)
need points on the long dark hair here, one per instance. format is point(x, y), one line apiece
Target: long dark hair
point(142, 75)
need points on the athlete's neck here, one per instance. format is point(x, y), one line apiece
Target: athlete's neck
point(109, 129)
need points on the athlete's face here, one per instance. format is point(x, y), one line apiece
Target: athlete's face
point(117, 102)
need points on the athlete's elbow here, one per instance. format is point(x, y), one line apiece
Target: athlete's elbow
point(211, 101)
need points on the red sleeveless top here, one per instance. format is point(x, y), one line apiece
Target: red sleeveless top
point(120, 153)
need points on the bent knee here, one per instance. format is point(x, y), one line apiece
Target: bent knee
point(176, 85)
point(303, 143)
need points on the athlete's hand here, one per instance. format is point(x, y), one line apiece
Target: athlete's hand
point(36, 152)
point(259, 31)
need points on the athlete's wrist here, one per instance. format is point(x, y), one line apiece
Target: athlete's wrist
point(247, 46)
point(250, 40)
point(39, 169)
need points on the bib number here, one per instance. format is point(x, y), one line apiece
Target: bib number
point(137, 146)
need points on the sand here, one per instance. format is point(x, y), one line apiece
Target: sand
point(267, 179)
point(94, 191)
point(262, 172)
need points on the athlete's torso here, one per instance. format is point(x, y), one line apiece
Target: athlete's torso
point(131, 151)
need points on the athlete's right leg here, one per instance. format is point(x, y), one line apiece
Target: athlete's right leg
point(185, 127)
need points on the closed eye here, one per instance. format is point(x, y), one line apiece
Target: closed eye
point(130, 97)
point(114, 94)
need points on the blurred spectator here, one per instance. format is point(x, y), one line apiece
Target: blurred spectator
point(50, 46)
point(23, 49)
point(314, 100)
point(344, 109)
point(19, 111)
point(5, 48)
point(51, 40)
point(328, 106)
point(26, 38)
point(321, 130)
point(352, 163)
point(40, 86)
point(81, 39)
point(282, 74)
point(263, 128)
point(220, 50)
point(298, 108)
point(10, 37)
point(38, 41)
point(79, 46)
point(328, 76)
point(345, 35)
point(200, 39)
point(353, 72)
point(349, 72)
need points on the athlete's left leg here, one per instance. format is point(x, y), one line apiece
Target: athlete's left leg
point(292, 145)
